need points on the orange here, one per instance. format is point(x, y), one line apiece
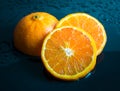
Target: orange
point(31, 31)
point(89, 24)
point(69, 53)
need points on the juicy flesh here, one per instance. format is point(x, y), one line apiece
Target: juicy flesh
point(87, 24)
point(68, 51)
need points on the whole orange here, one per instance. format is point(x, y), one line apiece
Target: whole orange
point(31, 31)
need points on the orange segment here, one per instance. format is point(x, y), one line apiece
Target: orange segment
point(69, 53)
point(88, 24)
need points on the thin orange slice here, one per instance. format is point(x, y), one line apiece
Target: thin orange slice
point(69, 53)
point(88, 23)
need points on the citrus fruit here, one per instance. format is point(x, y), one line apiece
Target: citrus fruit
point(69, 53)
point(31, 30)
point(89, 24)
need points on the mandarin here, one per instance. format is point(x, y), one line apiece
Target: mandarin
point(31, 31)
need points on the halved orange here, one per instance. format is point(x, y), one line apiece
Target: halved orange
point(89, 24)
point(69, 53)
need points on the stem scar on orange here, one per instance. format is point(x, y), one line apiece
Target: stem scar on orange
point(69, 53)
point(89, 24)
point(31, 31)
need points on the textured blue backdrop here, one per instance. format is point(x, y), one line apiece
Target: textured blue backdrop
point(19, 72)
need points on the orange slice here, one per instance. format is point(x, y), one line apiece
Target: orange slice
point(88, 24)
point(69, 53)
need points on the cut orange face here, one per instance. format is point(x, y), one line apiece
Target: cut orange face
point(88, 24)
point(69, 53)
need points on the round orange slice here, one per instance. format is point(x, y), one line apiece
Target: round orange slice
point(69, 53)
point(89, 24)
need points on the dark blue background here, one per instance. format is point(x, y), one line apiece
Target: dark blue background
point(19, 72)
